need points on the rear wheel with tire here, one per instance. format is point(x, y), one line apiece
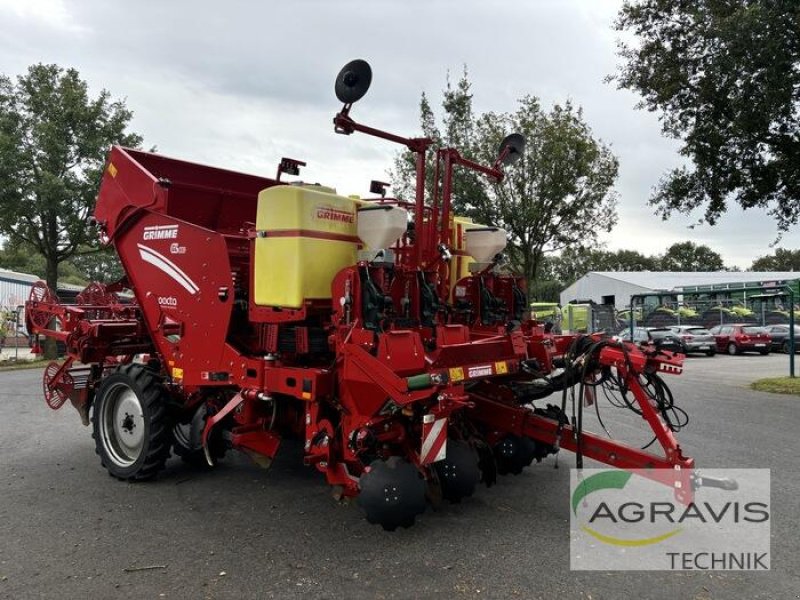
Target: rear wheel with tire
point(764, 352)
point(785, 347)
point(711, 352)
point(188, 440)
point(132, 429)
point(732, 349)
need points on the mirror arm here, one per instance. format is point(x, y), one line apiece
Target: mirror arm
point(494, 172)
point(498, 164)
point(345, 125)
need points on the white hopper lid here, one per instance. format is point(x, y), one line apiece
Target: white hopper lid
point(381, 225)
point(484, 243)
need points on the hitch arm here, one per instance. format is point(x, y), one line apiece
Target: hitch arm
point(673, 470)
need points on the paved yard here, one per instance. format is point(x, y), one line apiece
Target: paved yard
point(67, 530)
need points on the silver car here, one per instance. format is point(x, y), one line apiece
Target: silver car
point(695, 339)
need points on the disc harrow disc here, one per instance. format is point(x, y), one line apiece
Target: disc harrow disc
point(392, 493)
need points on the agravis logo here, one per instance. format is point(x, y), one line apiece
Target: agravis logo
point(637, 520)
point(610, 480)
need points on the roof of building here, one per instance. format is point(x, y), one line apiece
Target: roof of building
point(670, 280)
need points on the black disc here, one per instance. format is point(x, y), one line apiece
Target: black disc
point(458, 472)
point(353, 81)
point(513, 454)
point(392, 493)
point(516, 146)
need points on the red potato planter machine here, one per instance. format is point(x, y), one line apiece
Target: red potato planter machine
point(383, 333)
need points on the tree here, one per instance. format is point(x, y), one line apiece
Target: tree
point(574, 263)
point(725, 78)
point(688, 256)
point(558, 195)
point(782, 260)
point(458, 131)
point(53, 142)
point(23, 258)
point(101, 265)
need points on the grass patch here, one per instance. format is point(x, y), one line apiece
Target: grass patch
point(16, 365)
point(778, 385)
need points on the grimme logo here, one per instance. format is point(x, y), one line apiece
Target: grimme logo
point(160, 232)
point(329, 213)
point(626, 520)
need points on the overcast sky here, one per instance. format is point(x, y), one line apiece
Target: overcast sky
point(240, 84)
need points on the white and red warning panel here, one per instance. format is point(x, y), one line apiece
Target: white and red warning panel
point(434, 439)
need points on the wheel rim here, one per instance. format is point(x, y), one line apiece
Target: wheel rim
point(123, 424)
point(732, 349)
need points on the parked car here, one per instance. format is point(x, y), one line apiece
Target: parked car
point(695, 339)
point(735, 339)
point(780, 337)
point(661, 337)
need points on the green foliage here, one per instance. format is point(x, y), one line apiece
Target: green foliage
point(99, 264)
point(53, 142)
point(88, 265)
point(778, 385)
point(782, 260)
point(546, 290)
point(558, 195)
point(23, 258)
point(688, 256)
point(458, 131)
point(724, 78)
point(574, 263)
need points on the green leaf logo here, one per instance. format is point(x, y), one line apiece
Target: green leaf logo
point(611, 480)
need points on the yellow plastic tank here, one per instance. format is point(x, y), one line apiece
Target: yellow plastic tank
point(459, 266)
point(306, 234)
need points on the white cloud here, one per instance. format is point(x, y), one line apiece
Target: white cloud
point(52, 13)
point(241, 84)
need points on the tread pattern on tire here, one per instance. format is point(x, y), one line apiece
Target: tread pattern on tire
point(147, 385)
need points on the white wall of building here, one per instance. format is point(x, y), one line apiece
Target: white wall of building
point(597, 287)
point(14, 291)
point(14, 288)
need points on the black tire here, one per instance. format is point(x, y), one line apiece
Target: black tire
point(132, 401)
point(187, 440)
point(711, 353)
point(764, 352)
point(732, 349)
point(785, 347)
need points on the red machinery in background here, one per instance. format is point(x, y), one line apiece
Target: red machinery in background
point(263, 309)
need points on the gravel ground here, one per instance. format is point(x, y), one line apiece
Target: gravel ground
point(67, 530)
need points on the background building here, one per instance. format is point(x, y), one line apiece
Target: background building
point(616, 287)
point(14, 291)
